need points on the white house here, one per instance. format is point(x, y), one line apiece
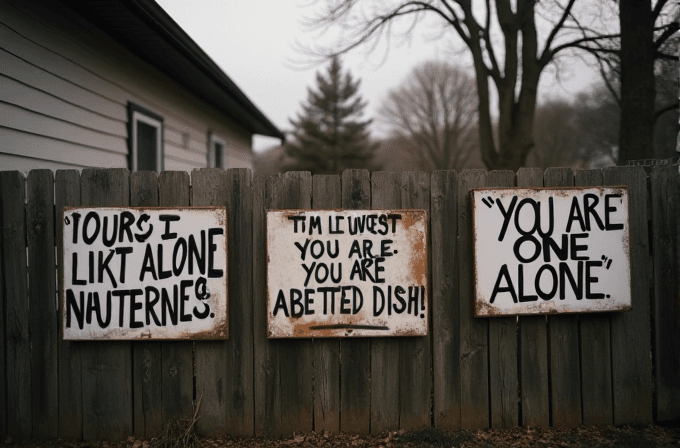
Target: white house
point(115, 83)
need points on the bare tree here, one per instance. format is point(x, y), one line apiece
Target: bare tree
point(513, 69)
point(436, 110)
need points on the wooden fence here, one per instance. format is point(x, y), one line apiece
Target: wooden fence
point(469, 373)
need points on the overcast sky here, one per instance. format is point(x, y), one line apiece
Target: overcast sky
point(253, 42)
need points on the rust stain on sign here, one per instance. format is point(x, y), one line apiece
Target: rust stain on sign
point(145, 273)
point(346, 273)
point(550, 251)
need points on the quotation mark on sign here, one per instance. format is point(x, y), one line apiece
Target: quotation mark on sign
point(66, 220)
point(488, 201)
point(606, 260)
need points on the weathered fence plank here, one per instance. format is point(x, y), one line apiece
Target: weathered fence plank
point(18, 368)
point(596, 367)
point(503, 376)
point(631, 350)
point(355, 354)
point(240, 420)
point(666, 231)
point(445, 306)
point(106, 365)
point(266, 190)
point(3, 340)
point(296, 356)
point(565, 381)
point(67, 193)
point(209, 189)
point(533, 345)
point(177, 358)
point(42, 301)
point(474, 367)
point(415, 374)
point(386, 195)
point(326, 194)
point(146, 355)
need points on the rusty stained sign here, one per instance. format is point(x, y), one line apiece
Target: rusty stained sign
point(134, 273)
point(346, 273)
point(546, 251)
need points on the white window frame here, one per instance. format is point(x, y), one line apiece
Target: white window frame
point(212, 141)
point(139, 114)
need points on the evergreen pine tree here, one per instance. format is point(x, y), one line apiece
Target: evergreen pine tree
point(329, 134)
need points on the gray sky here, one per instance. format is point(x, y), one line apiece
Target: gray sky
point(253, 42)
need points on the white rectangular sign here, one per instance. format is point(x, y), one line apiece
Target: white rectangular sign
point(346, 273)
point(544, 251)
point(144, 273)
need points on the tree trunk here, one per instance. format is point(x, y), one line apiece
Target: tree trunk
point(636, 133)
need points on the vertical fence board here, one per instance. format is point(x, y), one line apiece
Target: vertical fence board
point(106, 365)
point(385, 194)
point(18, 369)
point(355, 354)
point(503, 376)
point(67, 193)
point(565, 383)
point(239, 348)
point(326, 194)
point(3, 340)
point(146, 355)
point(596, 367)
point(631, 350)
point(209, 189)
point(415, 373)
point(296, 356)
point(666, 230)
point(266, 190)
point(474, 368)
point(533, 345)
point(42, 300)
point(445, 306)
point(177, 357)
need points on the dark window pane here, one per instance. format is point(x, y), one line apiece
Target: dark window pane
point(219, 153)
point(147, 145)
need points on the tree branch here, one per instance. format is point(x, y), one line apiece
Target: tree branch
point(671, 28)
point(657, 9)
point(556, 29)
point(663, 110)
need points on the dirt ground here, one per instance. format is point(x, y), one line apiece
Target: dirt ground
point(583, 437)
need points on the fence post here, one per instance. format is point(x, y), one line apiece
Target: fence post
point(503, 376)
point(474, 365)
point(533, 345)
point(177, 358)
point(565, 380)
point(415, 376)
point(596, 358)
point(385, 194)
point(44, 332)
point(146, 355)
point(267, 387)
point(106, 365)
point(67, 193)
point(18, 368)
point(355, 354)
point(631, 347)
point(326, 194)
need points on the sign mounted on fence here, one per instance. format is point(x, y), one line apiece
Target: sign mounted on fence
point(145, 273)
point(545, 251)
point(346, 273)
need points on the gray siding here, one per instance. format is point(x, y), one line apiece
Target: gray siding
point(64, 90)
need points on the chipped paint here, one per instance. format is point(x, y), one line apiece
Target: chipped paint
point(387, 259)
point(145, 273)
point(529, 261)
